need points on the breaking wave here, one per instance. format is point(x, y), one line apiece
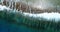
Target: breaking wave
point(48, 16)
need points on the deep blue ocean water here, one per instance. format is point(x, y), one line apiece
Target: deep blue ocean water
point(8, 27)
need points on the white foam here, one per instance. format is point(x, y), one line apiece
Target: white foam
point(48, 16)
point(4, 7)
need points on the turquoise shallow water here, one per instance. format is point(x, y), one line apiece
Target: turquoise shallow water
point(10, 27)
point(5, 26)
point(15, 22)
point(10, 23)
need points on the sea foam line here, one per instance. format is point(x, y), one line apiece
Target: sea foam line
point(48, 16)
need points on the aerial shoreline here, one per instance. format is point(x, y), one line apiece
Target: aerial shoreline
point(30, 21)
point(47, 22)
